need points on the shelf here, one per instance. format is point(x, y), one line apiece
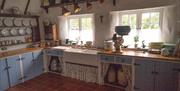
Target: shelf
point(65, 4)
point(18, 15)
point(15, 44)
point(14, 36)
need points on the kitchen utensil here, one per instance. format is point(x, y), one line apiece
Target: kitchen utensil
point(17, 22)
point(8, 22)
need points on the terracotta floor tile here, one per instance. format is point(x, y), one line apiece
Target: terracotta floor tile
point(54, 82)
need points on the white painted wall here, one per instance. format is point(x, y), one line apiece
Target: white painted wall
point(102, 30)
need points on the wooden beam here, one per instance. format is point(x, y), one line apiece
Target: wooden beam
point(27, 6)
point(3, 4)
point(114, 2)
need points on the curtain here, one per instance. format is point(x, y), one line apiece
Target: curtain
point(63, 28)
point(169, 24)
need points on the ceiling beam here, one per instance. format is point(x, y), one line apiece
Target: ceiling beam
point(3, 4)
point(27, 6)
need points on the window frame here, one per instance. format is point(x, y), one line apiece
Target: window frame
point(79, 17)
point(139, 13)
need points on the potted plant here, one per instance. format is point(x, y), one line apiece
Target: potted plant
point(136, 40)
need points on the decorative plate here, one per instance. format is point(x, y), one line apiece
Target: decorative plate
point(28, 31)
point(18, 22)
point(8, 22)
point(1, 22)
point(33, 22)
point(5, 32)
point(26, 22)
point(14, 31)
point(22, 31)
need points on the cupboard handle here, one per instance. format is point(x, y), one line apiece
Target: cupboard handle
point(25, 77)
point(22, 58)
point(6, 68)
point(20, 78)
point(177, 70)
point(18, 59)
point(136, 88)
point(155, 73)
point(136, 64)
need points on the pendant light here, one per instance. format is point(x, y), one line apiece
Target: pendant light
point(65, 11)
point(76, 8)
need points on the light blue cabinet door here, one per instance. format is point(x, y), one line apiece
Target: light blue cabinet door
point(144, 79)
point(166, 77)
point(27, 61)
point(4, 80)
point(38, 62)
point(14, 70)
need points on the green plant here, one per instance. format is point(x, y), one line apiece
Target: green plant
point(136, 39)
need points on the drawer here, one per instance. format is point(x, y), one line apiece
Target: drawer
point(53, 52)
point(123, 59)
point(106, 58)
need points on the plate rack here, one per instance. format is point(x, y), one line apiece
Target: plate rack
point(18, 29)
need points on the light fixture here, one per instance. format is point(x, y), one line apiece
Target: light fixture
point(89, 5)
point(76, 8)
point(65, 11)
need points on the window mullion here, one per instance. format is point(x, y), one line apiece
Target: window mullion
point(139, 21)
point(80, 28)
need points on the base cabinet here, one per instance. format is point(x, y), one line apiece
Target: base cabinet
point(14, 69)
point(32, 64)
point(155, 75)
point(38, 63)
point(28, 68)
point(143, 75)
point(4, 80)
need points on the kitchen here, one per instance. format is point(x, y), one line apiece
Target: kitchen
point(96, 45)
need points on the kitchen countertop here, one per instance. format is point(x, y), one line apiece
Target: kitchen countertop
point(130, 53)
point(140, 54)
point(17, 52)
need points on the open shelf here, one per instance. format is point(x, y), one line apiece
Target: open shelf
point(14, 44)
point(18, 15)
point(15, 36)
point(65, 4)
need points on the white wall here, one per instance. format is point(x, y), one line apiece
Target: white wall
point(102, 30)
point(34, 6)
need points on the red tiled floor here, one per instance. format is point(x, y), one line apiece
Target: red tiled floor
point(54, 82)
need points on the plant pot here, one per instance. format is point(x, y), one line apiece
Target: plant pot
point(135, 45)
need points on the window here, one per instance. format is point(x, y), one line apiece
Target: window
point(144, 23)
point(80, 28)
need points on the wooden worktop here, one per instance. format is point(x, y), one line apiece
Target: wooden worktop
point(17, 52)
point(130, 53)
point(140, 54)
